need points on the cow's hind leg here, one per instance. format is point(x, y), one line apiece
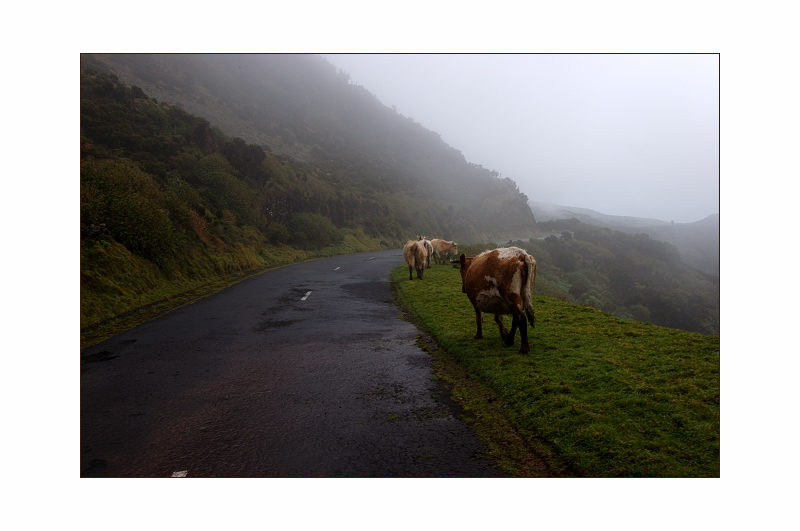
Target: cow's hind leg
point(410, 270)
point(508, 337)
point(479, 323)
point(518, 320)
point(513, 332)
point(523, 333)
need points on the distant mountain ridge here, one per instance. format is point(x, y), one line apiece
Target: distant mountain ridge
point(698, 242)
point(550, 212)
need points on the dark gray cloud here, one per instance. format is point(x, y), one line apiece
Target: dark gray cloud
point(633, 135)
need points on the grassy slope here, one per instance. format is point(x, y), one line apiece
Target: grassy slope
point(597, 396)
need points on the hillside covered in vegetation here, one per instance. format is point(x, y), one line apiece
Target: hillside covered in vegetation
point(171, 202)
point(348, 142)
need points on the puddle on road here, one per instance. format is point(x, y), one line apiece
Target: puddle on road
point(267, 325)
point(372, 291)
point(294, 295)
point(104, 355)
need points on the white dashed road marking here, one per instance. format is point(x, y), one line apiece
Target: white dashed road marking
point(180, 474)
point(338, 268)
point(306, 296)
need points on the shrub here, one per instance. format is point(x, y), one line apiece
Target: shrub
point(214, 176)
point(313, 231)
point(277, 233)
point(128, 203)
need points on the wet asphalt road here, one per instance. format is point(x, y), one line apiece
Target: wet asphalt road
point(268, 380)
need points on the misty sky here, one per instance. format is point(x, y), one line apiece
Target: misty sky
point(631, 135)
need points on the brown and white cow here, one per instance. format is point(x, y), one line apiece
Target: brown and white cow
point(441, 248)
point(428, 248)
point(415, 254)
point(500, 282)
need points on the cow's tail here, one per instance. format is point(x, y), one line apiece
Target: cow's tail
point(530, 266)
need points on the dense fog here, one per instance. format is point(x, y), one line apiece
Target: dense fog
point(622, 134)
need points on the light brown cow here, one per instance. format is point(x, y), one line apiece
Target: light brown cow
point(441, 249)
point(500, 282)
point(415, 254)
point(428, 248)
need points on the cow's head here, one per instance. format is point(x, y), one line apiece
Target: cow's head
point(465, 262)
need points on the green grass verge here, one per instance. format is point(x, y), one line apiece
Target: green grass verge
point(597, 396)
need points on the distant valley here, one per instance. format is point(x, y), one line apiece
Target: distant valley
point(697, 242)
